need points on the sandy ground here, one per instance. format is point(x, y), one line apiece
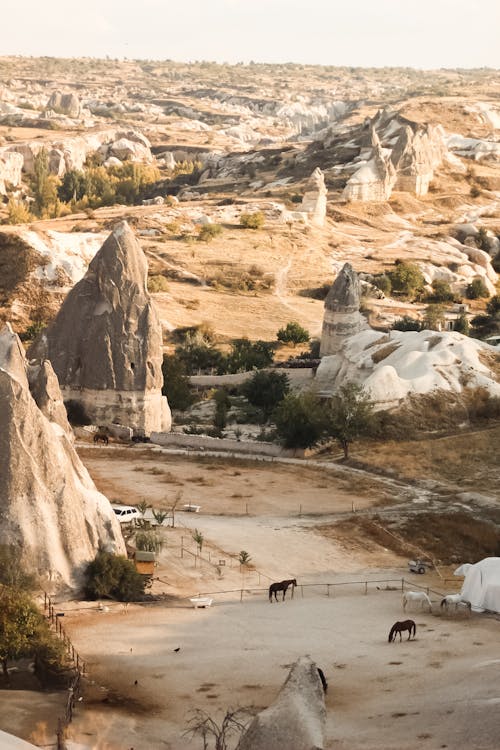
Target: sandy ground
point(438, 691)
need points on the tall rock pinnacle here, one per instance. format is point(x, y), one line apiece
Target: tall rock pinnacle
point(105, 344)
point(49, 507)
point(342, 318)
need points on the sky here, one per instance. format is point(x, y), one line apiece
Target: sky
point(370, 33)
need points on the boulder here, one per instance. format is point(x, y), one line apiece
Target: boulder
point(296, 719)
point(64, 104)
point(49, 507)
point(105, 344)
point(314, 200)
point(11, 165)
point(342, 318)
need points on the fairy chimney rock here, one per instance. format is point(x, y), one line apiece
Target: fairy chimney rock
point(49, 507)
point(105, 344)
point(296, 719)
point(314, 200)
point(342, 317)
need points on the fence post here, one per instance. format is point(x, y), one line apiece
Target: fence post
point(182, 546)
point(241, 595)
point(302, 591)
point(328, 589)
point(402, 585)
point(366, 587)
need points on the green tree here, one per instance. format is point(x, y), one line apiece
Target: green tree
point(114, 577)
point(265, 390)
point(383, 282)
point(20, 622)
point(406, 278)
point(43, 186)
point(477, 289)
point(349, 415)
point(254, 220)
point(434, 318)
point(12, 573)
point(293, 333)
point(462, 325)
point(247, 355)
point(73, 186)
point(299, 420)
point(17, 212)
point(176, 385)
point(441, 291)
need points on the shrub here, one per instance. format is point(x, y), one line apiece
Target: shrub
point(293, 333)
point(222, 405)
point(265, 390)
point(176, 383)
point(114, 577)
point(18, 213)
point(349, 415)
point(252, 220)
point(477, 289)
point(434, 318)
point(383, 283)
point(441, 292)
point(157, 283)
point(406, 324)
point(247, 355)
point(406, 278)
point(207, 232)
point(462, 325)
point(299, 420)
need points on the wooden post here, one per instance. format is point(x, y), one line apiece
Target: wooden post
point(366, 587)
point(300, 509)
point(328, 589)
point(241, 595)
point(182, 546)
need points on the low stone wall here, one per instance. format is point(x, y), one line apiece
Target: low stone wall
point(205, 443)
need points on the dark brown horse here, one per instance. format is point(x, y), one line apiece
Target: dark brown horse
point(101, 437)
point(281, 586)
point(399, 627)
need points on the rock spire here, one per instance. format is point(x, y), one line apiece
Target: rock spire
point(105, 344)
point(314, 200)
point(342, 317)
point(49, 507)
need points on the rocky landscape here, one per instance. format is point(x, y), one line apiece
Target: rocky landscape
point(169, 226)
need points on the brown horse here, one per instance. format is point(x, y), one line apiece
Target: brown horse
point(399, 627)
point(101, 437)
point(281, 586)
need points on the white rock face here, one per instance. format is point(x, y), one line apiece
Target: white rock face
point(11, 166)
point(296, 719)
point(392, 366)
point(67, 252)
point(375, 179)
point(49, 506)
point(314, 200)
point(342, 318)
point(105, 344)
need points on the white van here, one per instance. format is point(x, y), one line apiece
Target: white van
point(126, 513)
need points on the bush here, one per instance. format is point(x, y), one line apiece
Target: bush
point(441, 292)
point(222, 405)
point(293, 333)
point(157, 283)
point(349, 415)
point(18, 213)
point(113, 577)
point(252, 221)
point(434, 318)
point(207, 232)
point(265, 390)
point(477, 289)
point(299, 420)
point(247, 355)
point(406, 324)
point(176, 385)
point(383, 283)
point(406, 278)
point(462, 325)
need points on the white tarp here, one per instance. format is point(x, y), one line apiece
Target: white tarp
point(481, 586)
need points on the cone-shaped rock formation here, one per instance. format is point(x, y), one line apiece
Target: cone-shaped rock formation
point(105, 344)
point(49, 506)
point(342, 318)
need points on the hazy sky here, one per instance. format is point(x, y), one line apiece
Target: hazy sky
point(416, 33)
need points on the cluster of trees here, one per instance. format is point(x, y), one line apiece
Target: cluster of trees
point(80, 189)
point(24, 631)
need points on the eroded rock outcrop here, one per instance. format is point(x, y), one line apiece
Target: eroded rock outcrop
point(314, 200)
point(11, 165)
point(49, 507)
point(105, 345)
point(342, 318)
point(296, 719)
point(64, 104)
point(375, 179)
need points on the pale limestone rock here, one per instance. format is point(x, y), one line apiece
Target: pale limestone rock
point(417, 152)
point(11, 165)
point(342, 317)
point(296, 719)
point(105, 344)
point(45, 390)
point(375, 179)
point(314, 200)
point(64, 104)
point(49, 507)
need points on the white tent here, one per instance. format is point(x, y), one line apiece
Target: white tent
point(481, 586)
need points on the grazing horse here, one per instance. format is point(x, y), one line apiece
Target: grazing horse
point(456, 600)
point(420, 597)
point(399, 627)
point(101, 437)
point(281, 586)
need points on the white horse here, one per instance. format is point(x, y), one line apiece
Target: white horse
point(419, 597)
point(455, 600)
